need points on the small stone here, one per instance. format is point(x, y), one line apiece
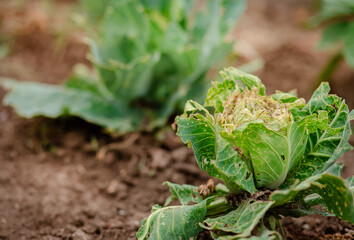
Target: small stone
point(110, 158)
point(181, 154)
point(80, 169)
point(160, 158)
point(3, 221)
point(80, 235)
point(122, 212)
point(116, 186)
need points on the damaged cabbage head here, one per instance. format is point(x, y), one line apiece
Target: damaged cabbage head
point(278, 138)
point(242, 108)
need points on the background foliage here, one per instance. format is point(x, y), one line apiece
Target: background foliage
point(148, 58)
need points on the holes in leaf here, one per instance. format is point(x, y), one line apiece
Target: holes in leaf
point(248, 175)
point(282, 157)
point(206, 224)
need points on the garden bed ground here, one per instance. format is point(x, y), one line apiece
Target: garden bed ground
point(52, 186)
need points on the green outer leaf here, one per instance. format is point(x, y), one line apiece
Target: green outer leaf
point(265, 234)
point(198, 131)
point(232, 169)
point(173, 223)
point(325, 145)
point(315, 199)
point(299, 134)
point(85, 79)
point(321, 100)
point(259, 233)
point(268, 151)
point(335, 169)
point(187, 194)
point(184, 193)
point(37, 99)
point(218, 94)
point(334, 191)
point(284, 97)
point(213, 154)
point(240, 221)
point(351, 115)
point(333, 143)
point(243, 79)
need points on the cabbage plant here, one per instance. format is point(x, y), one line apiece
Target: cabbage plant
point(275, 154)
point(148, 58)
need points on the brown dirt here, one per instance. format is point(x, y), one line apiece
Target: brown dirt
point(51, 184)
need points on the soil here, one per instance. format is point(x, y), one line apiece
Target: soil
point(53, 185)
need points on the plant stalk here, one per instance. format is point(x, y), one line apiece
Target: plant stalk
point(219, 205)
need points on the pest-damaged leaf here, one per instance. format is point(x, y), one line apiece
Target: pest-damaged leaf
point(231, 79)
point(263, 233)
point(184, 193)
point(243, 80)
point(269, 153)
point(299, 135)
point(325, 145)
point(218, 94)
point(241, 221)
point(333, 190)
point(284, 97)
point(315, 199)
point(175, 222)
point(188, 194)
point(213, 154)
point(259, 233)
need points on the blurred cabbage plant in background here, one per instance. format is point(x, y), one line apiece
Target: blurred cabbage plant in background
point(148, 57)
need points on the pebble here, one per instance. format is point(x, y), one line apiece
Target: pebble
point(80, 235)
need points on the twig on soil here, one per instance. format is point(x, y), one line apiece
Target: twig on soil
point(101, 154)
